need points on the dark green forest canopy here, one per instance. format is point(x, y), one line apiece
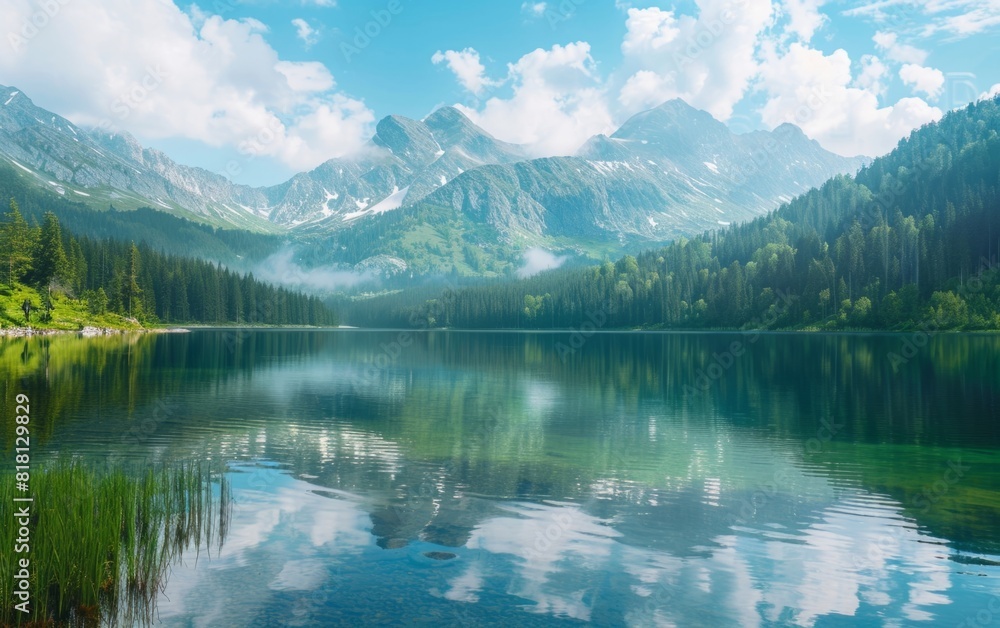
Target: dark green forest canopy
point(911, 241)
point(138, 282)
point(158, 230)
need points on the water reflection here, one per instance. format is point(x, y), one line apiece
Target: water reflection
point(485, 480)
point(298, 555)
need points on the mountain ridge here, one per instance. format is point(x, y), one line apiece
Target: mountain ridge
point(672, 170)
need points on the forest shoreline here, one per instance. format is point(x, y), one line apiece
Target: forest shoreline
point(87, 331)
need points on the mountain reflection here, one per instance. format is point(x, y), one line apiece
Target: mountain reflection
point(475, 474)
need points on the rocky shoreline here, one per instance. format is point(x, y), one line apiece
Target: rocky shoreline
point(87, 332)
point(27, 332)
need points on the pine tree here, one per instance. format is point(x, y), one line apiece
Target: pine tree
point(131, 294)
point(49, 259)
point(17, 243)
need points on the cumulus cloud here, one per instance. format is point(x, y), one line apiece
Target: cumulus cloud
point(814, 91)
point(197, 76)
point(708, 60)
point(872, 76)
point(537, 260)
point(305, 32)
point(991, 92)
point(927, 80)
point(804, 17)
point(558, 102)
point(467, 68)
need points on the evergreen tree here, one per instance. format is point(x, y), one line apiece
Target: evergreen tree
point(17, 244)
point(49, 260)
point(131, 295)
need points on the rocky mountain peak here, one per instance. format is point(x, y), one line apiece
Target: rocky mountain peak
point(409, 140)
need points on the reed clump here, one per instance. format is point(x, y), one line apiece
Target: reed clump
point(103, 539)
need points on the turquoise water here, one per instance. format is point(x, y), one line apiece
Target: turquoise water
point(533, 479)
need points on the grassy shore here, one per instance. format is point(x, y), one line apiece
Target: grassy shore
point(102, 540)
point(67, 314)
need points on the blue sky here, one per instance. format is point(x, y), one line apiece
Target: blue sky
point(260, 89)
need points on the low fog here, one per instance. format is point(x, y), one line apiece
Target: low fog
point(537, 259)
point(282, 269)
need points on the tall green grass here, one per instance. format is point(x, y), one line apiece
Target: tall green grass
point(103, 540)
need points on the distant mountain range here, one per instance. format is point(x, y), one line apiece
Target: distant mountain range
point(670, 171)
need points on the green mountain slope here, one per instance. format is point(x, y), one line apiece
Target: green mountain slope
point(158, 230)
point(911, 241)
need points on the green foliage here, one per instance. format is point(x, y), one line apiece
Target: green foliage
point(118, 280)
point(861, 311)
point(533, 304)
point(157, 230)
point(97, 301)
point(911, 241)
point(17, 244)
point(103, 541)
point(49, 263)
point(948, 310)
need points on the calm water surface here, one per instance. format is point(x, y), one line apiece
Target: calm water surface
point(534, 479)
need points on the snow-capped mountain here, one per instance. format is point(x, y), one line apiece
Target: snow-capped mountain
point(670, 171)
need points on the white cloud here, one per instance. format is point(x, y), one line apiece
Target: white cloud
point(466, 67)
point(957, 18)
point(199, 77)
point(305, 32)
point(975, 19)
point(306, 76)
point(649, 30)
point(534, 9)
point(901, 53)
point(537, 260)
point(991, 92)
point(558, 102)
point(815, 91)
point(873, 73)
point(707, 60)
point(930, 81)
point(804, 17)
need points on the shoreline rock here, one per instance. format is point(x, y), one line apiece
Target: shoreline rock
point(89, 331)
point(86, 332)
